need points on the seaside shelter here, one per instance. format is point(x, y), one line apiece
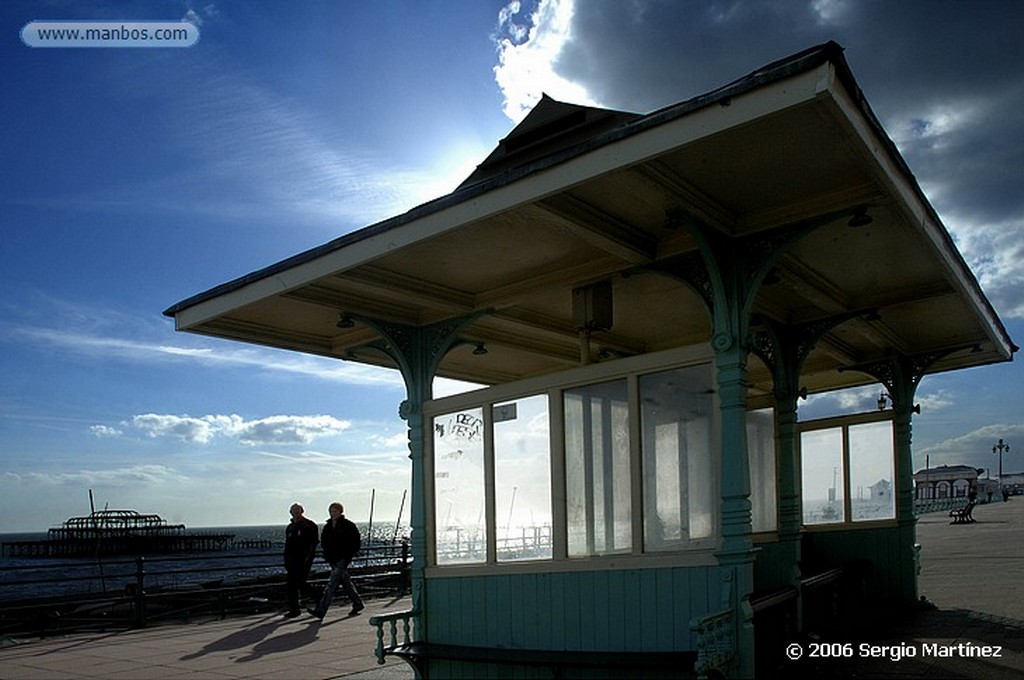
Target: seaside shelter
point(644, 299)
point(945, 481)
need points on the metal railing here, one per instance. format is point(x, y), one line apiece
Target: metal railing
point(923, 506)
point(143, 591)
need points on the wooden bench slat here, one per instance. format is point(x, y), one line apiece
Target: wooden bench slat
point(763, 601)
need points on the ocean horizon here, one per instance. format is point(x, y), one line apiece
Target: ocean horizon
point(84, 575)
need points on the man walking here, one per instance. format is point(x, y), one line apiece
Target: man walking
point(341, 541)
point(300, 540)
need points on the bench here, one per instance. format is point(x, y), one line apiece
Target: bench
point(963, 515)
point(715, 634)
point(818, 599)
point(395, 638)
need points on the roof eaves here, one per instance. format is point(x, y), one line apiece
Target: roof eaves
point(803, 61)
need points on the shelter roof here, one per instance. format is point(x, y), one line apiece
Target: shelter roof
point(578, 195)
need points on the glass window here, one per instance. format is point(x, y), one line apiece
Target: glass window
point(678, 483)
point(871, 471)
point(522, 479)
point(459, 510)
point(597, 471)
point(821, 463)
point(761, 445)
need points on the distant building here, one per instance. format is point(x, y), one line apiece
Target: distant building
point(946, 481)
point(987, 489)
point(881, 491)
point(1013, 483)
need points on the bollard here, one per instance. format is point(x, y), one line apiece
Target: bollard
point(140, 592)
point(406, 571)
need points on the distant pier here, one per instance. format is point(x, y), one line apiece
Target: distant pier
point(118, 532)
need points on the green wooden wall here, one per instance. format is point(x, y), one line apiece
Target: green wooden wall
point(891, 577)
point(608, 610)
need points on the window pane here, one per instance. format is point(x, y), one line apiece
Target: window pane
point(676, 440)
point(761, 445)
point(597, 477)
point(821, 461)
point(522, 479)
point(459, 487)
point(871, 471)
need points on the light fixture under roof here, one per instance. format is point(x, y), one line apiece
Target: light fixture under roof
point(861, 218)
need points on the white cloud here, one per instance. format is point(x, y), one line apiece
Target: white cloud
point(865, 399)
point(995, 252)
point(848, 400)
point(829, 12)
point(293, 160)
point(528, 59)
point(935, 401)
point(196, 430)
point(935, 124)
point(290, 429)
point(228, 355)
point(280, 429)
point(395, 441)
point(974, 448)
point(117, 477)
point(105, 431)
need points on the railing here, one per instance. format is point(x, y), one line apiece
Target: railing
point(161, 589)
point(923, 506)
point(715, 645)
point(392, 621)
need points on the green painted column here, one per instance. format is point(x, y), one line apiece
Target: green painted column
point(788, 486)
point(906, 520)
point(417, 351)
point(412, 413)
point(901, 382)
point(735, 473)
point(784, 348)
point(901, 375)
point(733, 292)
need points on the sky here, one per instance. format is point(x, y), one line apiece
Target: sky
point(134, 177)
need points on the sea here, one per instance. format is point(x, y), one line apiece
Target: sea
point(23, 578)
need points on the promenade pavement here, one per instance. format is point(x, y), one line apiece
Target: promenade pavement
point(972, 576)
point(260, 647)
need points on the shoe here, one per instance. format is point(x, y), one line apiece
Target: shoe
point(355, 610)
point(291, 614)
point(315, 614)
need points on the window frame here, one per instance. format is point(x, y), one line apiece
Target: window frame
point(695, 552)
point(844, 423)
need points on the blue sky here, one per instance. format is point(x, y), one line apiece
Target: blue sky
point(134, 178)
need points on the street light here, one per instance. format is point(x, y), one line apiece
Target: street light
point(1001, 448)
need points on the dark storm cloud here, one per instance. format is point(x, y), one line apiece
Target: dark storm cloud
point(946, 79)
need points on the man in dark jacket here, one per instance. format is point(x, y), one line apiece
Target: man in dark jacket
point(300, 539)
point(341, 541)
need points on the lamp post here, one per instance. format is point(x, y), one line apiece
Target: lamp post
point(1001, 448)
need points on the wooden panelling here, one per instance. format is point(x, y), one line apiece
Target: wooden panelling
point(647, 609)
point(891, 575)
